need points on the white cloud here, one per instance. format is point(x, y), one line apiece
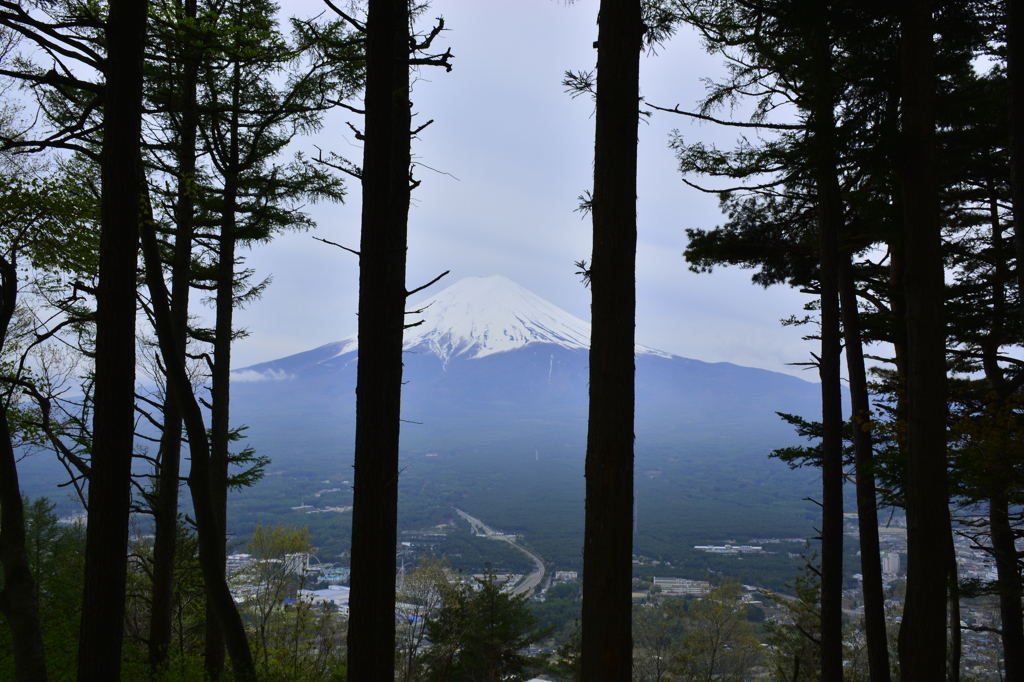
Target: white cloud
point(250, 375)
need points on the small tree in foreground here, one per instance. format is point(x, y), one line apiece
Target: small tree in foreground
point(480, 634)
point(274, 573)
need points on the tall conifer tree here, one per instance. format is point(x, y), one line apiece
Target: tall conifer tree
point(114, 420)
point(607, 645)
point(382, 294)
point(922, 638)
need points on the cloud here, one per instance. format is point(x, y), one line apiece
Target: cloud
point(250, 375)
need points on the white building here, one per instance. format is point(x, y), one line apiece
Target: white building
point(335, 594)
point(683, 586)
point(890, 562)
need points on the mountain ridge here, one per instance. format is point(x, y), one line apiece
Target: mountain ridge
point(473, 318)
point(481, 372)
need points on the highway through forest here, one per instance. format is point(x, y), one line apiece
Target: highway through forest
point(532, 580)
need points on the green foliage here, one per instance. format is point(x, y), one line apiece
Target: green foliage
point(794, 645)
point(480, 634)
point(56, 553)
point(188, 600)
point(560, 609)
point(421, 596)
point(568, 662)
point(293, 638)
point(708, 638)
point(253, 467)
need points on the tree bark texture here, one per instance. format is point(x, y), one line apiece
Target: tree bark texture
point(106, 550)
point(382, 294)
point(19, 597)
point(607, 648)
point(922, 637)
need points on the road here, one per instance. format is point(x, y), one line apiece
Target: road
point(531, 581)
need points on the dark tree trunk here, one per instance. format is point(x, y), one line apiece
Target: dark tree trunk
point(166, 508)
point(1008, 573)
point(19, 597)
point(1013, 622)
point(955, 635)
point(211, 552)
point(382, 294)
point(103, 599)
point(1015, 73)
point(607, 646)
point(830, 216)
point(830, 223)
point(867, 509)
point(922, 638)
point(1000, 468)
point(220, 392)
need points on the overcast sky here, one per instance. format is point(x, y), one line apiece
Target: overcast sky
point(501, 167)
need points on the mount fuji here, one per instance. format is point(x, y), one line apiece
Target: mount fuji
point(495, 409)
point(494, 366)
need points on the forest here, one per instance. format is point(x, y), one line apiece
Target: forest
point(146, 146)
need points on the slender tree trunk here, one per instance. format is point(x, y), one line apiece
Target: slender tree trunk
point(211, 554)
point(223, 337)
point(103, 599)
point(166, 511)
point(922, 638)
point(1015, 72)
point(832, 437)
point(607, 647)
point(1008, 573)
point(1013, 621)
point(867, 510)
point(382, 294)
point(998, 473)
point(830, 222)
point(19, 596)
point(955, 635)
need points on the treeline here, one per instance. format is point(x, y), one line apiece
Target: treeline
point(145, 151)
point(878, 174)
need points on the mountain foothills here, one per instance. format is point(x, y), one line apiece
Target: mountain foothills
point(494, 407)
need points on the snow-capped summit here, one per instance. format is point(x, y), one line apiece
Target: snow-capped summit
point(479, 316)
point(493, 359)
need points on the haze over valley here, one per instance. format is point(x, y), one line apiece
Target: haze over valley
point(495, 403)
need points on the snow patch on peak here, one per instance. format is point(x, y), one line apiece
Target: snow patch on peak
point(479, 316)
point(346, 345)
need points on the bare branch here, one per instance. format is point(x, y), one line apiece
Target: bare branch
point(358, 25)
point(327, 241)
point(735, 124)
point(418, 289)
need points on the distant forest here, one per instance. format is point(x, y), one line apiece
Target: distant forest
point(144, 145)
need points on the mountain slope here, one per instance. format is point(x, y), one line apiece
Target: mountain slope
point(495, 403)
point(493, 363)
